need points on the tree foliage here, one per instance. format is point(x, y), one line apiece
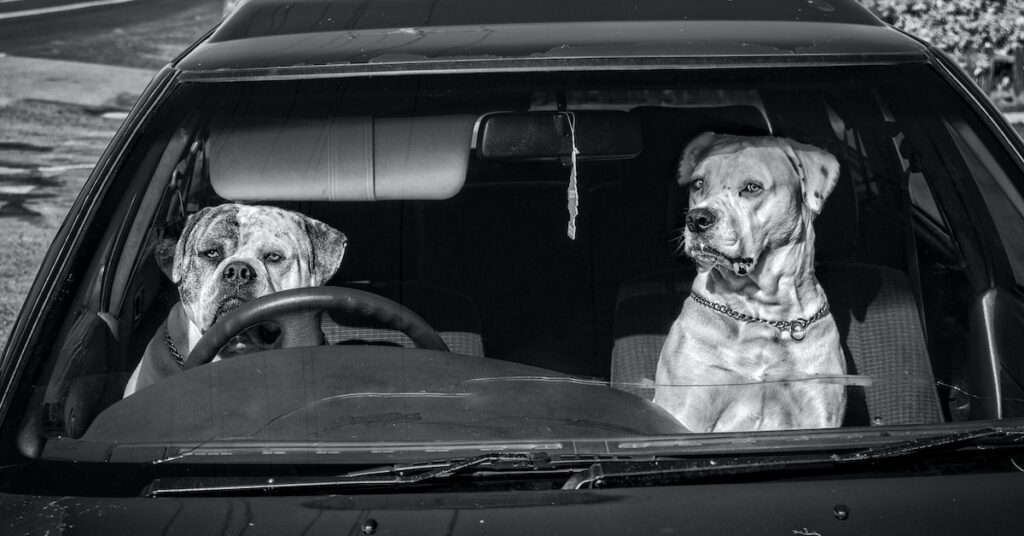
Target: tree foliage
point(971, 31)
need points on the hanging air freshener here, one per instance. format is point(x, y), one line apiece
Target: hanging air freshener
point(573, 193)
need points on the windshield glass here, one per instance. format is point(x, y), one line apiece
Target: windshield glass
point(514, 258)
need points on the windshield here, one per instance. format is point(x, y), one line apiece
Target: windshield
point(544, 259)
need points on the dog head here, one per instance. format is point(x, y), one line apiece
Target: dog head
point(749, 195)
point(229, 254)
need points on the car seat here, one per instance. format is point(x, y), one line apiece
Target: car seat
point(878, 323)
point(383, 245)
point(452, 315)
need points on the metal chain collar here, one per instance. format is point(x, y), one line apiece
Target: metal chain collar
point(174, 351)
point(797, 328)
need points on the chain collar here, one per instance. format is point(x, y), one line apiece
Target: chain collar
point(174, 350)
point(797, 328)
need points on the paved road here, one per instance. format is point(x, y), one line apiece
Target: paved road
point(26, 23)
point(57, 116)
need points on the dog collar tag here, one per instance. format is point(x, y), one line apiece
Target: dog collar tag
point(798, 329)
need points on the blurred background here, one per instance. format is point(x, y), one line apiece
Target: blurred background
point(986, 37)
point(71, 69)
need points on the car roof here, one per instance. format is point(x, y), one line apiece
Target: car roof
point(388, 35)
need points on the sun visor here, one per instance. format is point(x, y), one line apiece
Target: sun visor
point(340, 159)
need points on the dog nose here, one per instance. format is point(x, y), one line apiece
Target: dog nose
point(239, 273)
point(699, 220)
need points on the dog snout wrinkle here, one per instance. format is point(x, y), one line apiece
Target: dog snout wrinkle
point(700, 220)
point(238, 274)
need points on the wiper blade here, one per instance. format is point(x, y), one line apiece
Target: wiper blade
point(581, 472)
point(993, 435)
point(389, 475)
point(626, 474)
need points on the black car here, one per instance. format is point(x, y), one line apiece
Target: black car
point(484, 360)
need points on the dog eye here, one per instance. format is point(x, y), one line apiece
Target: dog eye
point(753, 188)
point(211, 253)
point(696, 184)
point(272, 257)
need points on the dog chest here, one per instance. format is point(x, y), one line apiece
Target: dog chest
point(714, 350)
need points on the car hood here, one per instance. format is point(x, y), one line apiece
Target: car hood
point(952, 504)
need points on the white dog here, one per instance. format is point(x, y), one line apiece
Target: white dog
point(226, 256)
point(755, 347)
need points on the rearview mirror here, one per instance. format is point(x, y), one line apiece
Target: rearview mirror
point(598, 134)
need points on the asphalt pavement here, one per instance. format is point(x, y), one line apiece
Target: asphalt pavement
point(28, 23)
point(57, 116)
point(70, 82)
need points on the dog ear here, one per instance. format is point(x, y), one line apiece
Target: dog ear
point(818, 171)
point(692, 155)
point(164, 254)
point(170, 252)
point(327, 249)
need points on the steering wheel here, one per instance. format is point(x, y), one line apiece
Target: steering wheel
point(297, 313)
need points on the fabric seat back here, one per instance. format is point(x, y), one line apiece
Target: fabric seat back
point(452, 315)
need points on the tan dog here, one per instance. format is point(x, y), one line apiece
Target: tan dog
point(226, 256)
point(754, 347)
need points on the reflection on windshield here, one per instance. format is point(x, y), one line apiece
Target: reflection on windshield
point(327, 267)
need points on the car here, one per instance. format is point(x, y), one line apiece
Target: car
point(229, 6)
point(506, 177)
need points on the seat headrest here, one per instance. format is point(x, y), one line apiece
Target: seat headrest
point(666, 132)
point(679, 125)
point(837, 227)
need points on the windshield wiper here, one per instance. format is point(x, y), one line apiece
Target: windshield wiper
point(626, 474)
point(388, 475)
point(993, 435)
point(581, 472)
